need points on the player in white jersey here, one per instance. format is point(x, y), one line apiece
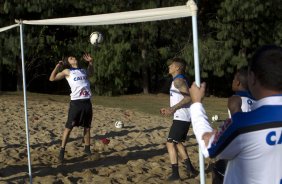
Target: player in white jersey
point(80, 111)
point(241, 101)
point(179, 108)
point(252, 142)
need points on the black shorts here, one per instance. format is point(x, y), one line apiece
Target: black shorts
point(80, 114)
point(178, 131)
point(218, 171)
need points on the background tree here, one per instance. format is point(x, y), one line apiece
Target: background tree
point(132, 58)
point(234, 29)
point(137, 52)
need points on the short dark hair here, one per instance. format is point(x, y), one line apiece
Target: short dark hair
point(181, 63)
point(66, 62)
point(242, 75)
point(267, 66)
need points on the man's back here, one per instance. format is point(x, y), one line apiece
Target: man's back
point(241, 101)
point(255, 154)
point(256, 162)
point(252, 142)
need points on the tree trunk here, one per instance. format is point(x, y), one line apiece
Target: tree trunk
point(145, 75)
point(19, 75)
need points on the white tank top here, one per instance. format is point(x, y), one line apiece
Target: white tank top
point(182, 114)
point(247, 101)
point(246, 104)
point(79, 84)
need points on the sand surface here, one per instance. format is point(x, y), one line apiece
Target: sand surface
point(136, 153)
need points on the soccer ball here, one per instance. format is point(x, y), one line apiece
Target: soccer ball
point(118, 124)
point(96, 38)
point(215, 118)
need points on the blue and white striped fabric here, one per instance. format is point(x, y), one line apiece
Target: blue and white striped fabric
point(252, 142)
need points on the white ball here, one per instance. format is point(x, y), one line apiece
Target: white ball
point(118, 124)
point(96, 38)
point(215, 117)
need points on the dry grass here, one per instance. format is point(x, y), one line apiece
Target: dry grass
point(150, 104)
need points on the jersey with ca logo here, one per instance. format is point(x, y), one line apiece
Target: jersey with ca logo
point(79, 84)
point(247, 101)
point(182, 114)
point(252, 144)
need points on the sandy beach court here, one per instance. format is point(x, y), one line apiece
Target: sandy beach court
point(136, 153)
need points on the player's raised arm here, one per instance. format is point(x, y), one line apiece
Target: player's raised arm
point(56, 75)
point(87, 57)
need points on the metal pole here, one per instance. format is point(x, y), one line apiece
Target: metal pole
point(198, 82)
point(25, 104)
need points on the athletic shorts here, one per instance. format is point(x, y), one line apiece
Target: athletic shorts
point(178, 131)
point(218, 171)
point(80, 114)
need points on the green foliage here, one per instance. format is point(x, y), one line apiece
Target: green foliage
point(118, 60)
point(229, 32)
point(235, 30)
point(242, 26)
